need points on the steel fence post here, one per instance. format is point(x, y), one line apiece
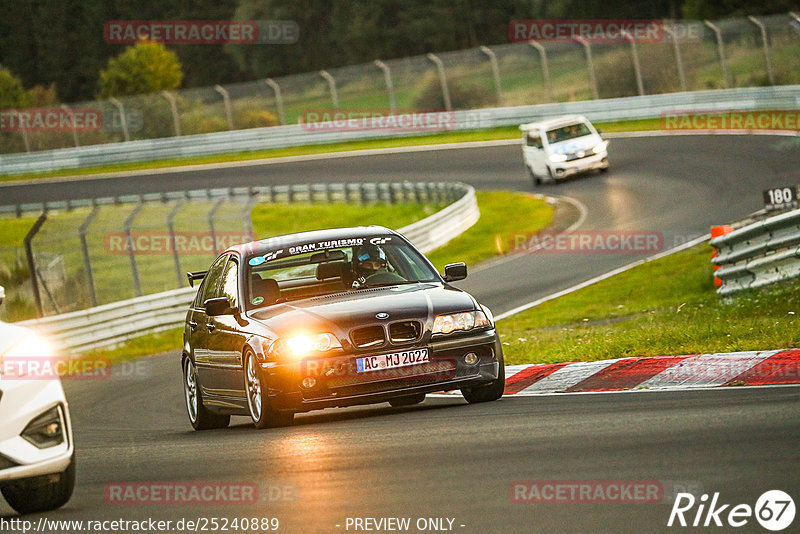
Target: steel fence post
point(678, 59)
point(442, 80)
point(173, 106)
point(720, 51)
point(278, 99)
point(332, 87)
point(587, 48)
point(636, 67)
point(545, 69)
point(33, 273)
point(87, 263)
point(765, 43)
point(387, 76)
point(226, 101)
point(495, 72)
point(137, 286)
point(123, 120)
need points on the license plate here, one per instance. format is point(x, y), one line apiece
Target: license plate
point(391, 361)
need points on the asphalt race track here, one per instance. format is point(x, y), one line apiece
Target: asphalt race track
point(444, 458)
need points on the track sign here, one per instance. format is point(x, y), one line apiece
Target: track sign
point(780, 197)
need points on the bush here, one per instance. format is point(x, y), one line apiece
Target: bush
point(255, 118)
point(463, 95)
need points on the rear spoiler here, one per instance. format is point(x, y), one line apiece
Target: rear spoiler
point(197, 275)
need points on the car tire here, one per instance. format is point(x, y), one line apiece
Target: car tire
point(199, 416)
point(408, 400)
point(41, 493)
point(491, 391)
point(258, 403)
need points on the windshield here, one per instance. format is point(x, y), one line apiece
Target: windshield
point(334, 270)
point(567, 132)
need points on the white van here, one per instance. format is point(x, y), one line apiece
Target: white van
point(560, 147)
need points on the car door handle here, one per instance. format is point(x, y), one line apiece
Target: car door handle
point(193, 325)
point(211, 326)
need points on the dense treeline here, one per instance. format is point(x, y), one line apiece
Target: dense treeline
point(60, 42)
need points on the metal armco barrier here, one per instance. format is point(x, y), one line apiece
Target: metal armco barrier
point(611, 109)
point(759, 254)
point(111, 324)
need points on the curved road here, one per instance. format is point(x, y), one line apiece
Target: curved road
point(446, 459)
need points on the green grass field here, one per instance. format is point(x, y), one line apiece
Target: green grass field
point(665, 307)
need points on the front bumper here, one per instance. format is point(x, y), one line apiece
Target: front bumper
point(568, 168)
point(339, 384)
point(22, 401)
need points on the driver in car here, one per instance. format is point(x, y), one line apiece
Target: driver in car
point(371, 267)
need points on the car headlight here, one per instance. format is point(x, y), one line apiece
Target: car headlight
point(47, 430)
point(445, 324)
point(556, 158)
point(32, 346)
point(600, 147)
point(301, 345)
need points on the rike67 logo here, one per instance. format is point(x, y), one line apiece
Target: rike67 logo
point(774, 510)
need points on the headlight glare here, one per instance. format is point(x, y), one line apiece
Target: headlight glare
point(301, 345)
point(445, 324)
point(600, 147)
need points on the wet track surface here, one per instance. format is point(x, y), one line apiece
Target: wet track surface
point(446, 458)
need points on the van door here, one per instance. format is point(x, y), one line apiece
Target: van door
point(535, 156)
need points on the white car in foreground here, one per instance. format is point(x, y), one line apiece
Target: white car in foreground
point(560, 147)
point(37, 455)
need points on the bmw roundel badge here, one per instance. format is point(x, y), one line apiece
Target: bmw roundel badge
point(382, 315)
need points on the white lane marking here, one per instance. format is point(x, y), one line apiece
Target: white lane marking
point(609, 274)
point(707, 370)
point(566, 377)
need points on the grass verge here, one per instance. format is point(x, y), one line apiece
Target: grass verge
point(508, 132)
point(665, 307)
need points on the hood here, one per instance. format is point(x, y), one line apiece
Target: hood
point(570, 146)
point(341, 312)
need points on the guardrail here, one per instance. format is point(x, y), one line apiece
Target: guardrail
point(114, 323)
point(759, 254)
point(612, 109)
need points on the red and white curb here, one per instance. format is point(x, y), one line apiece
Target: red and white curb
point(770, 367)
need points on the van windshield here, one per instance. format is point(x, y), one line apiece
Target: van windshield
point(570, 131)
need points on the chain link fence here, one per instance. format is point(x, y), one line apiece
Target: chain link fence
point(692, 55)
point(111, 249)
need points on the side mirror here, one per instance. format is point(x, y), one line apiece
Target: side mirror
point(218, 306)
point(2, 294)
point(455, 271)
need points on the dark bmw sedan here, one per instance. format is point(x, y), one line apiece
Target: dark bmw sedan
point(331, 318)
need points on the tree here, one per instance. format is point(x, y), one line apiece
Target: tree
point(145, 67)
point(12, 93)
